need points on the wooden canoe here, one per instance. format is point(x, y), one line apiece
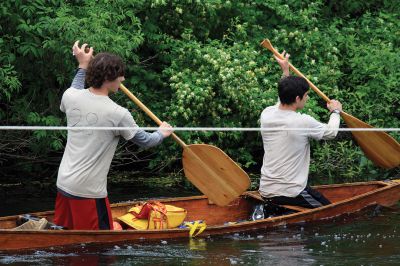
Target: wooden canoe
point(345, 198)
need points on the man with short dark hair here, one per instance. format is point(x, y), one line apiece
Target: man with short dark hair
point(284, 173)
point(82, 201)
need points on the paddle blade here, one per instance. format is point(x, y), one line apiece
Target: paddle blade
point(377, 146)
point(215, 174)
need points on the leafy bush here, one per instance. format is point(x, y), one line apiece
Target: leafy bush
point(199, 63)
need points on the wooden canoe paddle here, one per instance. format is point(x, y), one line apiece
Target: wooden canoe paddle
point(207, 167)
point(378, 146)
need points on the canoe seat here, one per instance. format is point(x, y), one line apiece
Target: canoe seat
point(256, 195)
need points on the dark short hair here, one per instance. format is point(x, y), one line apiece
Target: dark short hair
point(104, 67)
point(291, 87)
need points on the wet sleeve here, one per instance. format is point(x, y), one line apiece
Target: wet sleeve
point(147, 140)
point(79, 80)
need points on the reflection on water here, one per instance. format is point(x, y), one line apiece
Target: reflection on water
point(239, 249)
point(365, 240)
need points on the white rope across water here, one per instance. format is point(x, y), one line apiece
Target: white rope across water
point(193, 128)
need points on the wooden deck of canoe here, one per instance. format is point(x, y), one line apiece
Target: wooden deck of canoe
point(345, 198)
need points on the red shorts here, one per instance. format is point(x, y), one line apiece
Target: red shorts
point(83, 213)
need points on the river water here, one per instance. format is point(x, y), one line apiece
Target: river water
point(369, 238)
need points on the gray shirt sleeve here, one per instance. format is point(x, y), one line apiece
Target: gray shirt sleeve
point(77, 83)
point(147, 140)
point(79, 80)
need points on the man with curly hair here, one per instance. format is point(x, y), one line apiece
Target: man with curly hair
point(82, 202)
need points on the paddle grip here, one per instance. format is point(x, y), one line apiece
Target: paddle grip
point(149, 113)
point(267, 44)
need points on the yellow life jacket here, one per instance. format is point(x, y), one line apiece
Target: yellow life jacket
point(159, 216)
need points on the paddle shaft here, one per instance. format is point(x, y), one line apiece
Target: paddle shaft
point(267, 44)
point(149, 113)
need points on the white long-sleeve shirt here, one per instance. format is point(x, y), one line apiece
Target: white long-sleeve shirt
point(287, 153)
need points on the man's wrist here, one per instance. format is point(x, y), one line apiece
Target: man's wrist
point(83, 66)
point(335, 111)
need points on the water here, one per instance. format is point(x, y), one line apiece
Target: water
point(371, 238)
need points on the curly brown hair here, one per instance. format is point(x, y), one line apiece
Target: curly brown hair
point(104, 67)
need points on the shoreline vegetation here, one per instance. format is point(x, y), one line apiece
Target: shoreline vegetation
point(197, 64)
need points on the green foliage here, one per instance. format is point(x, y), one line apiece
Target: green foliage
point(53, 139)
point(199, 63)
point(339, 162)
point(218, 85)
point(9, 82)
point(371, 74)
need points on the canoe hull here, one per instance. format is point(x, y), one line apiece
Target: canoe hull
point(355, 197)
